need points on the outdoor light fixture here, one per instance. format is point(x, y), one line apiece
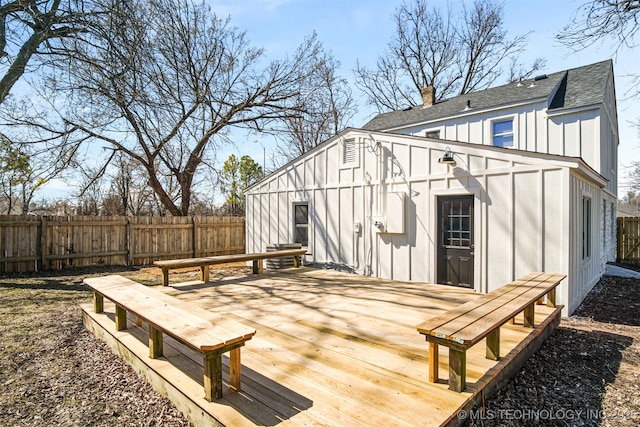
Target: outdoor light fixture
point(447, 159)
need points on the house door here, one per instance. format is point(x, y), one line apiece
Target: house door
point(455, 241)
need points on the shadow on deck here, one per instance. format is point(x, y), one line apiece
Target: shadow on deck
point(330, 349)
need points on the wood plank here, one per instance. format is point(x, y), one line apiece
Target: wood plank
point(430, 325)
point(492, 312)
point(326, 355)
point(222, 259)
point(173, 320)
point(475, 331)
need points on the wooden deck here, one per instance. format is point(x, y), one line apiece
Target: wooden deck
point(330, 349)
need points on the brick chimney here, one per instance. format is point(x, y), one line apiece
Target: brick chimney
point(428, 96)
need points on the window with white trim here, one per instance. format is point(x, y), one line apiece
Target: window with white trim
point(586, 228)
point(502, 133)
point(301, 223)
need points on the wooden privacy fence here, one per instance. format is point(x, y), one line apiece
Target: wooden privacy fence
point(34, 243)
point(629, 240)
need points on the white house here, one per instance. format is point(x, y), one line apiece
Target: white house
point(472, 191)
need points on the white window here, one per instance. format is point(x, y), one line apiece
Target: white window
point(301, 223)
point(349, 152)
point(502, 133)
point(586, 228)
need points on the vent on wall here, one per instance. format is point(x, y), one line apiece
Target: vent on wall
point(348, 151)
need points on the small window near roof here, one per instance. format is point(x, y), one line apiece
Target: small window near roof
point(435, 134)
point(503, 133)
point(349, 152)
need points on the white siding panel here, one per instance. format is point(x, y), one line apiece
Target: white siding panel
point(476, 163)
point(419, 162)
point(554, 226)
point(309, 173)
point(284, 219)
point(333, 226)
point(264, 223)
point(333, 164)
point(358, 238)
point(495, 163)
point(274, 224)
point(527, 223)
point(499, 250)
point(556, 135)
point(320, 173)
point(476, 133)
point(400, 160)
point(346, 226)
point(419, 225)
point(250, 217)
point(319, 218)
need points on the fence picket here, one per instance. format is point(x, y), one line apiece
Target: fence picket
point(629, 240)
point(33, 243)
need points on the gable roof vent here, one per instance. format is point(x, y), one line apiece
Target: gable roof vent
point(348, 151)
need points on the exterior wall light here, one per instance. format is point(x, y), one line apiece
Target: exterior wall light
point(447, 159)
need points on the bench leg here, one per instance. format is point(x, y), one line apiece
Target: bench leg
point(98, 303)
point(257, 266)
point(204, 273)
point(138, 321)
point(155, 342)
point(529, 316)
point(493, 345)
point(296, 261)
point(212, 376)
point(121, 318)
point(433, 362)
point(457, 370)
point(551, 298)
point(165, 277)
point(234, 368)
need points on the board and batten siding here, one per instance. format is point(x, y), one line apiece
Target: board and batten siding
point(587, 132)
point(524, 210)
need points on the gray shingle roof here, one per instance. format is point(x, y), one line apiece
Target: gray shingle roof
point(576, 87)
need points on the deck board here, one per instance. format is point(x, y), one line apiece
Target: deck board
point(335, 349)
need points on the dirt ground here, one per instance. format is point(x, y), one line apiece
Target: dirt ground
point(53, 372)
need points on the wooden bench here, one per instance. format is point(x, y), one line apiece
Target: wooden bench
point(212, 340)
point(464, 326)
point(205, 262)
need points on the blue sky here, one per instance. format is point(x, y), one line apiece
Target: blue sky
point(360, 30)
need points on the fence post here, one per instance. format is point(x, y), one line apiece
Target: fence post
point(128, 242)
point(43, 243)
point(193, 236)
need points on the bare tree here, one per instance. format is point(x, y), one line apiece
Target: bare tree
point(163, 81)
point(328, 106)
point(454, 54)
point(598, 20)
point(24, 169)
point(128, 193)
point(31, 29)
